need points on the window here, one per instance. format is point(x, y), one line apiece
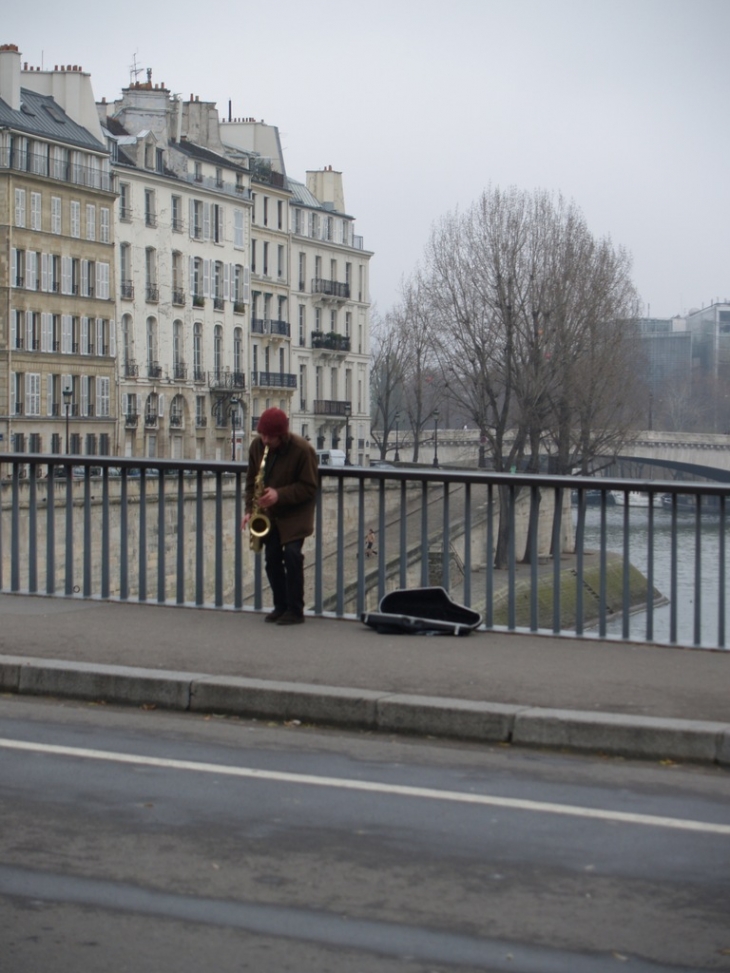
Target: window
point(151, 344)
point(266, 210)
point(55, 214)
point(253, 256)
point(90, 221)
point(196, 219)
point(217, 223)
point(217, 349)
point(198, 169)
point(35, 211)
point(177, 220)
point(266, 259)
point(302, 325)
point(18, 269)
point(150, 265)
point(177, 343)
point(150, 216)
point(75, 218)
point(125, 270)
point(198, 351)
point(178, 290)
point(125, 202)
point(280, 214)
point(280, 261)
point(237, 351)
point(302, 271)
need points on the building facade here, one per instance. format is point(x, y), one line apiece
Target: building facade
point(160, 267)
point(58, 389)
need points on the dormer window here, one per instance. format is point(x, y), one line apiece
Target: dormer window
point(198, 171)
point(218, 176)
point(149, 155)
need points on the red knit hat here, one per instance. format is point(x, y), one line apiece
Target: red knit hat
point(273, 422)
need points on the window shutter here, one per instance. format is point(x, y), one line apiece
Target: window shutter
point(44, 272)
point(246, 285)
point(191, 220)
point(112, 339)
point(49, 395)
point(84, 395)
point(13, 386)
point(84, 278)
point(66, 334)
point(220, 221)
point(46, 331)
point(84, 336)
point(206, 221)
point(31, 270)
point(191, 271)
point(28, 330)
point(65, 275)
point(160, 405)
point(226, 282)
point(206, 278)
point(138, 399)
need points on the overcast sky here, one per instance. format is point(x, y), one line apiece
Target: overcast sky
point(620, 105)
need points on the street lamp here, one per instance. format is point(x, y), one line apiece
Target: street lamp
point(233, 411)
point(397, 454)
point(435, 414)
point(67, 393)
point(348, 412)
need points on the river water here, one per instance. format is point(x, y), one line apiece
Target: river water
point(709, 545)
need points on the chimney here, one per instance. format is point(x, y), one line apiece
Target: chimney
point(10, 75)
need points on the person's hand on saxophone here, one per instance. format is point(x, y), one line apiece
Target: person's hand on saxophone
point(268, 498)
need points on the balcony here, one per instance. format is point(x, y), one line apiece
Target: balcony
point(198, 373)
point(178, 297)
point(176, 419)
point(239, 308)
point(332, 407)
point(180, 370)
point(225, 379)
point(276, 380)
point(331, 288)
point(131, 369)
point(154, 370)
point(131, 419)
point(331, 341)
point(218, 303)
point(150, 420)
point(201, 421)
point(267, 326)
point(152, 293)
point(198, 300)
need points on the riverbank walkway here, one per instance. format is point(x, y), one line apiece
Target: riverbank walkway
point(632, 700)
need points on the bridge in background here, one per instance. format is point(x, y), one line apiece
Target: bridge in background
point(704, 455)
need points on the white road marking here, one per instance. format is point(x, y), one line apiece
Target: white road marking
point(374, 787)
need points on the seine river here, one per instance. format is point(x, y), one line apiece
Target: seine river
point(709, 568)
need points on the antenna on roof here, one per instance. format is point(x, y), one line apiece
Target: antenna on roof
point(134, 71)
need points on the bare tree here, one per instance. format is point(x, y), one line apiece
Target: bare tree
point(531, 321)
point(386, 376)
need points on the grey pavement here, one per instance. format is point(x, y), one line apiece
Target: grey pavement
point(628, 699)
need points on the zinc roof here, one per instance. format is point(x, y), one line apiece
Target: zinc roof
point(40, 115)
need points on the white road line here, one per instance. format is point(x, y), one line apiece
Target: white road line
point(375, 787)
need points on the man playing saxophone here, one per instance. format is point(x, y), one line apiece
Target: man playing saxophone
point(288, 499)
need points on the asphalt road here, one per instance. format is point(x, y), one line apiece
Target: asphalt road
point(148, 841)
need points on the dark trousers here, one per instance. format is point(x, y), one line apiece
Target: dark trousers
point(285, 571)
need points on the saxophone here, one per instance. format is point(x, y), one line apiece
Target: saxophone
point(259, 525)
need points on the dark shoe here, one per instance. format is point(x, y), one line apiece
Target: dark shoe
point(275, 615)
point(290, 618)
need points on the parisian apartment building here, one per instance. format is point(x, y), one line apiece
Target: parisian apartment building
point(230, 287)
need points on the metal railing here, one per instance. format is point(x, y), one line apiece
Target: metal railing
point(554, 555)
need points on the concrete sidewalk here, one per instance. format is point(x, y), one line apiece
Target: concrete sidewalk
point(617, 698)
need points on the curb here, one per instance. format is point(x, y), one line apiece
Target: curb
point(614, 734)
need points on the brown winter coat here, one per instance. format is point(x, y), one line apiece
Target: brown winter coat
point(294, 472)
